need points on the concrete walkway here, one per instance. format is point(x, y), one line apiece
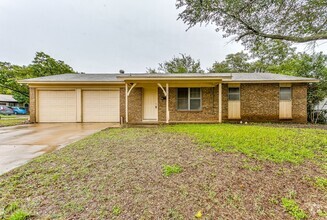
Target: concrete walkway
point(19, 144)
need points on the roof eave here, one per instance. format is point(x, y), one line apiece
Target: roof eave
point(71, 82)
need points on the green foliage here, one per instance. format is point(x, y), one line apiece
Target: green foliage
point(257, 23)
point(42, 65)
point(183, 64)
point(13, 212)
point(19, 215)
point(169, 170)
point(293, 209)
point(321, 182)
point(116, 210)
point(233, 63)
point(259, 142)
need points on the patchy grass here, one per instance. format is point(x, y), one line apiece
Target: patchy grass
point(11, 120)
point(260, 142)
point(293, 208)
point(116, 210)
point(118, 174)
point(169, 170)
point(13, 212)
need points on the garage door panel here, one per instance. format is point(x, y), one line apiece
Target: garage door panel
point(57, 106)
point(101, 106)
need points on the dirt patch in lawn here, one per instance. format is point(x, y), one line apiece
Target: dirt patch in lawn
point(118, 173)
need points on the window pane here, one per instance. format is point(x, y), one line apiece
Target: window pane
point(285, 93)
point(234, 97)
point(234, 90)
point(233, 93)
point(182, 93)
point(195, 92)
point(195, 104)
point(182, 104)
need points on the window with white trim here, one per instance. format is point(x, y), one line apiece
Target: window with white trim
point(189, 99)
point(285, 93)
point(234, 94)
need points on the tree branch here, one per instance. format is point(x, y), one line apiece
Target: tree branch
point(15, 90)
point(252, 30)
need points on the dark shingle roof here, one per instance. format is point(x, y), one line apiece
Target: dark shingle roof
point(116, 78)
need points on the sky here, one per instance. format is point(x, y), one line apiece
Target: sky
point(104, 36)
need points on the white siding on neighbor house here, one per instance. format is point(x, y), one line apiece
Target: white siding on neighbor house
point(322, 105)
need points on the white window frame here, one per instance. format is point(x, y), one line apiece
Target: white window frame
point(189, 99)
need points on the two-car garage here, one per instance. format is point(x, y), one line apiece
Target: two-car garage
point(78, 105)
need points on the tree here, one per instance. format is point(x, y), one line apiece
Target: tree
point(256, 22)
point(42, 65)
point(183, 64)
point(233, 63)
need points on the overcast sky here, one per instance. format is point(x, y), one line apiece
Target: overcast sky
point(105, 35)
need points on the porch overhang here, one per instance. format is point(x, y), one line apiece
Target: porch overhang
point(175, 80)
point(173, 83)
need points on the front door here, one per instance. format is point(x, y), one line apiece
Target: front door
point(150, 104)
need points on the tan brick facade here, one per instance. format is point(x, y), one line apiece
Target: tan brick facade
point(32, 106)
point(299, 103)
point(209, 112)
point(259, 103)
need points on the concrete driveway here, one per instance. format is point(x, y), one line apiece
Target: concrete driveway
point(19, 144)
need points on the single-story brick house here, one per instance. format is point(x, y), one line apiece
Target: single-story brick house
point(168, 98)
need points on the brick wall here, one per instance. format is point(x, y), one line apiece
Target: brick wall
point(299, 103)
point(135, 105)
point(32, 106)
point(260, 102)
point(209, 110)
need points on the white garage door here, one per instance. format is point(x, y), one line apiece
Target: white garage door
point(57, 106)
point(101, 106)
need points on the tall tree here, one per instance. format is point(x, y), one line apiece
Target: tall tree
point(233, 63)
point(256, 22)
point(42, 65)
point(182, 64)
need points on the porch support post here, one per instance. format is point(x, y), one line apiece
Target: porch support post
point(220, 103)
point(126, 102)
point(167, 103)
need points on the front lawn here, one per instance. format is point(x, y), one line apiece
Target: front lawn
point(12, 120)
point(175, 172)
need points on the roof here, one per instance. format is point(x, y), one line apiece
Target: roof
point(7, 98)
point(119, 78)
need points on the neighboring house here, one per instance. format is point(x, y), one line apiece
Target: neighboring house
point(321, 111)
point(168, 98)
point(8, 100)
point(322, 106)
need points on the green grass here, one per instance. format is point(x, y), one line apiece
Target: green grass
point(13, 212)
point(116, 210)
point(321, 182)
point(293, 209)
point(11, 120)
point(169, 170)
point(260, 142)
